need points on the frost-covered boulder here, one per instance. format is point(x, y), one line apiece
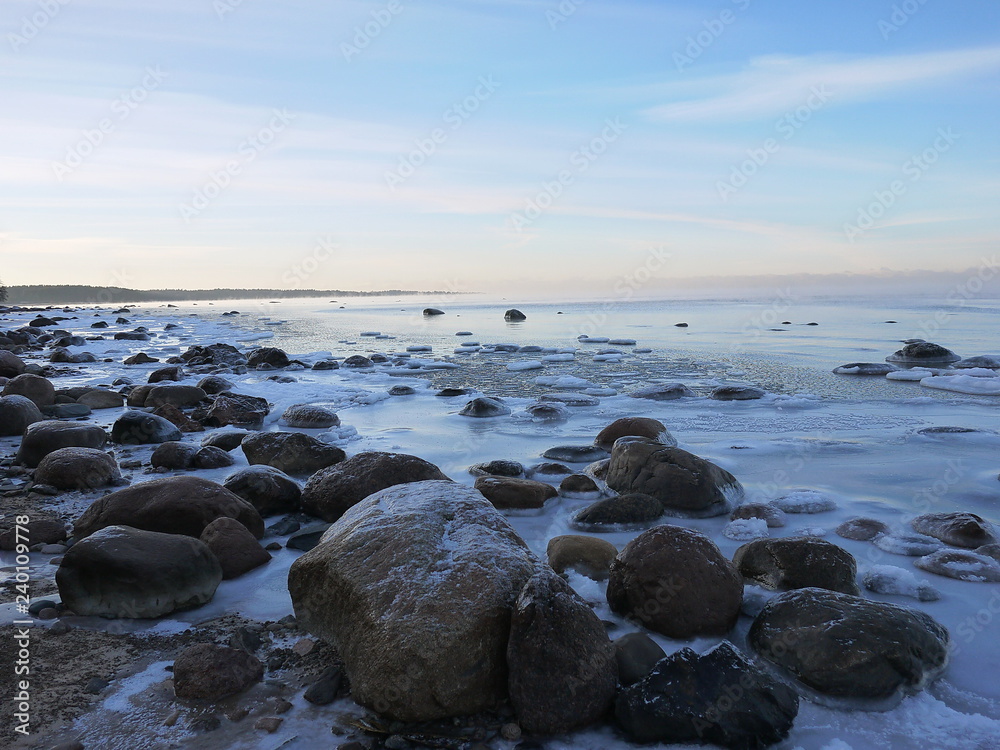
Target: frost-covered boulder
point(864, 368)
point(423, 626)
point(676, 581)
point(173, 505)
point(774, 517)
point(796, 563)
point(957, 529)
point(120, 571)
point(41, 438)
point(848, 647)
point(719, 697)
point(681, 481)
point(888, 579)
point(862, 529)
point(965, 565)
point(291, 452)
point(563, 672)
point(330, 492)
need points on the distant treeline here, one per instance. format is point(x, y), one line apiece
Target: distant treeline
point(45, 294)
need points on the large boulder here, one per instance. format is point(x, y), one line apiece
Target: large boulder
point(16, 413)
point(180, 396)
point(41, 438)
point(99, 398)
point(621, 511)
point(681, 481)
point(173, 505)
point(719, 697)
point(422, 626)
point(124, 572)
point(34, 387)
point(269, 490)
point(958, 529)
point(329, 493)
point(587, 555)
point(10, 364)
point(514, 315)
point(291, 452)
point(848, 647)
point(237, 409)
point(645, 427)
point(236, 548)
point(676, 581)
point(140, 428)
point(207, 671)
point(225, 355)
point(563, 673)
point(509, 492)
point(798, 563)
point(78, 469)
point(39, 531)
point(268, 357)
point(310, 416)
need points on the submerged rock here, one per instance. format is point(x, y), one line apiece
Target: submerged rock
point(719, 697)
point(562, 668)
point(676, 581)
point(848, 647)
point(121, 571)
point(864, 368)
point(422, 627)
point(736, 393)
point(485, 407)
point(921, 352)
point(514, 315)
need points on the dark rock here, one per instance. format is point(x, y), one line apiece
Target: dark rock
point(173, 455)
point(140, 359)
point(402, 390)
point(140, 428)
point(663, 392)
point(178, 418)
point(452, 392)
point(33, 387)
point(736, 393)
point(10, 364)
point(498, 467)
point(774, 517)
point(562, 668)
point(330, 492)
point(357, 361)
point(586, 555)
point(718, 698)
point(922, 352)
point(66, 411)
point(308, 537)
point(861, 529)
point(957, 529)
point(237, 409)
point(848, 647)
point(485, 407)
point(214, 385)
point(623, 510)
point(120, 571)
point(227, 440)
point(221, 355)
point(433, 311)
point(210, 672)
point(180, 396)
point(323, 691)
point(636, 654)
point(576, 453)
point(173, 505)
point(78, 469)
point(633, 427)
point(41, 438)
point(676, 581)
point(510, 493)
point(266, 488)
point(99, 398)
point(514, 315)
point(291, 452)
point(681, 481)
point(210, 457)
point(16, 413)
point(40, 531)
point(235, 547)
point(578, 484)
point(310, 416)
point(268, 355)
point(864, 368)
point(796, 563)
point(174, 373)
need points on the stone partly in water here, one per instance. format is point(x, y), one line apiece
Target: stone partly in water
point(586, 555)
point(498, 468)
point(140, 428)
point(957, 529)
point(33, 387)
point(862, 529)
point(485, 407)
point(636, 654)
point(236, 548)
point(663, 392)
point(310, 416)
point(864, 368)
point(16, 413)
point(922, 352)
point(645, 427)
point(514, 315)
point(78, 469)
point(676, 581)
point(630, 510)
point(719, 697)
point(965, 565)
point(181, 396)
point(774, 517)
point(422, 627)
point(847, 647)
point(575, 453)
point(562, 668)
point(173, 505)
point(237, 409)
point(291, 452)
point(681, 481)
point(796, 563)
point(510, 493)
point(736, 393)
point(41, 438)
point(329, 493)
point(121, 571)
point(269, 490)
point(207, 671)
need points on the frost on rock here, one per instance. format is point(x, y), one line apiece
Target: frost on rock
point(907, 543)
point(888, 579)
point(746, 529)
point(805, 501)
point(961, 564)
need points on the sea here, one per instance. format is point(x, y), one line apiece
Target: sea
point(861, 442)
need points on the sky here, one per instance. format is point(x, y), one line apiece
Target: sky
point(480, 145)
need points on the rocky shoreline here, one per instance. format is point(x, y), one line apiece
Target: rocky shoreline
point(421, 617)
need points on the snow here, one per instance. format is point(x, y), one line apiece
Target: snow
point(970, 381)
point(746, 529)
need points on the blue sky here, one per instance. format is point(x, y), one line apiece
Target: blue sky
point(493, 146)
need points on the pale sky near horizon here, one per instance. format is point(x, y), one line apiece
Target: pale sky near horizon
point(493, 146)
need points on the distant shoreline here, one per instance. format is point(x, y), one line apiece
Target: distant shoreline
point(67, 294)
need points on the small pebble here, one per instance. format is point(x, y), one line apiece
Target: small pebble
point(172, 719)
point(511, 732)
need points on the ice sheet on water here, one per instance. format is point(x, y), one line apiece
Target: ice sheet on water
point(970, 382)
point(528, 364)
point(562, 381)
